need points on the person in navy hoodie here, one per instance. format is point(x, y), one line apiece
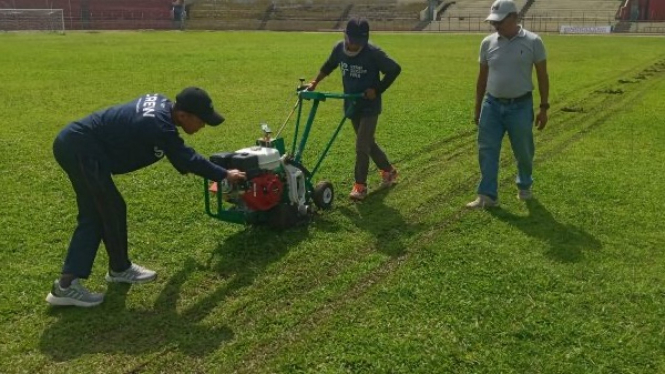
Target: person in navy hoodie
point(361, 65)
point(119, 140)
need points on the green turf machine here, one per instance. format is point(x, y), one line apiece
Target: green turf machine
point(279, 189)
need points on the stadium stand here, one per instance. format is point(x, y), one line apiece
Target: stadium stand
point(643, 16)
point(537, 15)
point(550, 16)
point(386, 15)
point(325, 15)
point(464, 15)
point(126, 14)
point(104, 14)
point(228, 14)
point(314, 16)
point(304, 14)
point(34, 4)
point(473, 8)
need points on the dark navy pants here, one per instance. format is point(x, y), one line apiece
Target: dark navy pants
point(102, 213)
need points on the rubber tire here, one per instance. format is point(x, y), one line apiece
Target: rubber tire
point(323, 195)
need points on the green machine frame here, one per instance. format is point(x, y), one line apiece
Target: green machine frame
point(296, 153)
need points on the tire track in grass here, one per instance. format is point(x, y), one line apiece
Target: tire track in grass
point(433, 156)
point(466, 138)
point(601, 106)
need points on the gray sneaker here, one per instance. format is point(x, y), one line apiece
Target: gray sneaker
point(75, 294)
point(135, 274)
point(525, 195)
point(482, 202)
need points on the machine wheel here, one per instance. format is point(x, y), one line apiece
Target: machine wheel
point(323, 195)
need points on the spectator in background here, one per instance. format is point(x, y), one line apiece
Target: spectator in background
point(177, 10)
point(634, 11)
point(504, 102)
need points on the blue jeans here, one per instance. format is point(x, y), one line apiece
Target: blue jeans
point(497, 118)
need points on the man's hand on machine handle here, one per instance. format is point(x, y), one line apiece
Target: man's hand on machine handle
point(235, 176)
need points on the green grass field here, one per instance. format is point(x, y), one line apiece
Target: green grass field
point(406, 282)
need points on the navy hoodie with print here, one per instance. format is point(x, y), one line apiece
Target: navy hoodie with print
point(133, 135)
point(363, 71)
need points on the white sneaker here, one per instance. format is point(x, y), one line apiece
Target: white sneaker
point(482, 202)
point(135, 274)
point(525, 195)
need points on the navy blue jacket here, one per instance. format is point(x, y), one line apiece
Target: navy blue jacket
point(134, 135)
point(361, 72)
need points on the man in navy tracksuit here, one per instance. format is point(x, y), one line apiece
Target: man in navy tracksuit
point(119, 140)
point(361, 64)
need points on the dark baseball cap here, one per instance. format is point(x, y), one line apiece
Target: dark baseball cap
point(196, 101)
point(357, 30)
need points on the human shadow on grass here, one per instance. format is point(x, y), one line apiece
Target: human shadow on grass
point(112, 328)
point(242, 257)
point(567, 243)
point(385, 223)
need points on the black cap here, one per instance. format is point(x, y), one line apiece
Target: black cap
point(357, 30)
point(196, 101)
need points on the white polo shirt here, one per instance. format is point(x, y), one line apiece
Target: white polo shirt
point(511, 62)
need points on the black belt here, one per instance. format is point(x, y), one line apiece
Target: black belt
point(501, 100)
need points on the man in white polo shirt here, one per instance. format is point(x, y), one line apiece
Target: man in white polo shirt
point(504, 102)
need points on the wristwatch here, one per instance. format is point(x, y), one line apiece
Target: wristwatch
point(545, 106)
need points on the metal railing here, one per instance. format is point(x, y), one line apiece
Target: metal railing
point(450, 22)
point(476, 23)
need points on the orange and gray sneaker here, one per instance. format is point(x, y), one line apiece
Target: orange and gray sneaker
point(359, 192)
point(388, 178)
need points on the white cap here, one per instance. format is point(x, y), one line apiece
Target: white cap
point(500, 9)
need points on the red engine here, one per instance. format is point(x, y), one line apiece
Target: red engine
point(263, 192)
